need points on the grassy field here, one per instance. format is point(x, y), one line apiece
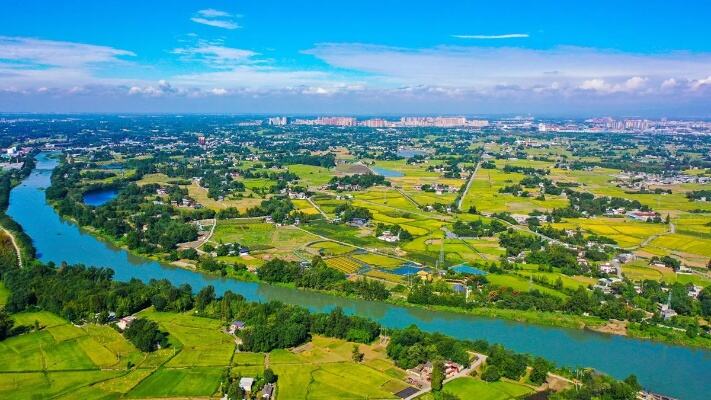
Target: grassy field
point(310, 175)
point(521, 284)
point(323, 369)
point(264, 240)
point(471, 388)
point(625, 232)
point(61, 357)
point(484, 191)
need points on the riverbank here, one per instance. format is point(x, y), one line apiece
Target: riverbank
point(57, 240)
point(548, 319)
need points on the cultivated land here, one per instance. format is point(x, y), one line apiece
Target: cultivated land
point(94, 361)
point(582, 231)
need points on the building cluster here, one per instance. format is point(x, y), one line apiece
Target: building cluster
point(644, 181)
point(422, 373)
point(404, 122)
point(627, 125)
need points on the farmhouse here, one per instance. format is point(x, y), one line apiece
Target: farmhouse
point(236, 326)
point(125, 322)
point(246, 384)
point(387, 236)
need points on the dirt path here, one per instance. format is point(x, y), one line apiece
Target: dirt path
point(318, 209)
point(14, 244)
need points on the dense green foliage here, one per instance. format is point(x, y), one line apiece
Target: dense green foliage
point(146, 335)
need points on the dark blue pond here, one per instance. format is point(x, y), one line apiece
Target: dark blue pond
point(99, 197)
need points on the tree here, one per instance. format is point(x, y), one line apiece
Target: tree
point(204, 297)
point(539, 373)
point(491, 374)
point(6, 324)
point(269, 376)
point(437, 375)
point(356, 355)
point(145, 335)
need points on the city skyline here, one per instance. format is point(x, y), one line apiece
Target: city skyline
point(638, 59)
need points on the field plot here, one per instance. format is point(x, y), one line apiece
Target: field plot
point(521, 284)
point(347, 265)
point(182, 382)
point(625, 232)
point(323, 369)
point(281, 241)
point(471, 388)
point(61, 357)
point(199, 339)
point(484, 194)
point(311, 175)
point(327, 248)
point(305, 207)
point(242, 204)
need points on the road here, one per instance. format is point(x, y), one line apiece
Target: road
point(469, 184)
point(318, 208)
point(357, 247)
point(14, 244)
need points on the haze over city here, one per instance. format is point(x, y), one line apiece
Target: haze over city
point(648, 59)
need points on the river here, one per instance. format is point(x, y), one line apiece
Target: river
point(673, 370)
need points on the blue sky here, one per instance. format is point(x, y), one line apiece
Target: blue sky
point(367, 57)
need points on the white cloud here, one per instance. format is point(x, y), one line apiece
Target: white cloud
point(31, 62)
point(486, 37)
point(30, 51)
point(212, 13)
point(480, 68)
point(219, 91)
point(162, 88)
point(670, 83)
point(700, 83)
point(215, 55)
point(215, 18)
point(595, 84)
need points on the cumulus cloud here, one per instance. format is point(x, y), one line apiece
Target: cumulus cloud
point(215, 18)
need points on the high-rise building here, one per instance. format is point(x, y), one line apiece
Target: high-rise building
point(278, 121)
point(376, 123)
point(338, 121)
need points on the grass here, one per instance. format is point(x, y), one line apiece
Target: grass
point(471, 388)
point(311, 175)
point(178, 382)
point(521, 284)
point(258, 236)
point(625, 232)
point(323, 369)
point(200, 341)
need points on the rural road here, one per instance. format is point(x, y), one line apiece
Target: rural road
point(14, 244)
point(469, 184)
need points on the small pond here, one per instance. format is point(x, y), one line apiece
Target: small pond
point(467, 269)
point(99, 197)
point(388, 173)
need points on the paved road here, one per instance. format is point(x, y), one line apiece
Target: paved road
point(469, 184)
